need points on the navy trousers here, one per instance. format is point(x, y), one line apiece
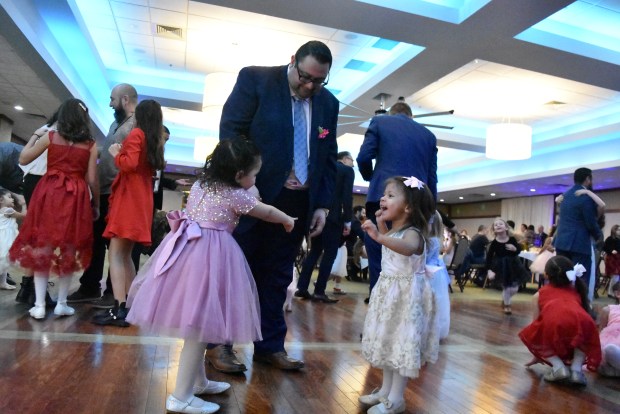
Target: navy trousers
point(326, 243)
point(271, 252)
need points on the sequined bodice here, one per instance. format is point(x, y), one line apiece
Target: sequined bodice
point(225, 205)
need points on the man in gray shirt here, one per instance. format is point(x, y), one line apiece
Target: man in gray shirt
point(123, 99)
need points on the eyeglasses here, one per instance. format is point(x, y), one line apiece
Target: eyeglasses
point(306, 78)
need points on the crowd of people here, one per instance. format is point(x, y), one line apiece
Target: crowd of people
point(221, 274)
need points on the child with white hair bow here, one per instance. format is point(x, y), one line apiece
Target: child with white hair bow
point(563, 333)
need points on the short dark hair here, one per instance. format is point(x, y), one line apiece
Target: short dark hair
point(317, 50)
point(343, 154)
point(357, 209)
point(166, 130)
point(581, 174)
point(401, 108)
point(481, 227)
point(510, 223)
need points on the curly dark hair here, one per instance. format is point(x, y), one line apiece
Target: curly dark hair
point(73, 121)
point(556, 269)
point(420, 201)
point(229, 157)
point(149, 120)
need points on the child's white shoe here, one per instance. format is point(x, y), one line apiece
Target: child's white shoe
point(37, 312)
point(212, 387)
point(386, 407)
point(177, 406)
point(6, 286)
point(371, 399)
point(62, 309)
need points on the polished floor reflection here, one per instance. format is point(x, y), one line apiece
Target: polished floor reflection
point(68, 365)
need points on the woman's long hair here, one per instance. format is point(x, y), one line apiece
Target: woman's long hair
point(149, 120)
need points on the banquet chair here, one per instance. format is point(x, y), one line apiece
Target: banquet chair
point(461, 249)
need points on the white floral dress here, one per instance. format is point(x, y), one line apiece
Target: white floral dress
point(398, 331)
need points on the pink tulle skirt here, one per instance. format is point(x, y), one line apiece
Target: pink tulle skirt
point(206, 292)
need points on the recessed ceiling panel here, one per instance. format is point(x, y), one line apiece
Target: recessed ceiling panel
point(587, 28)
point(452, 11)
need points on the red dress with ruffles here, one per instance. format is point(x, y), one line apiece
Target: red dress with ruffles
point(562, 325)
point(56, 236)
point(130, 214)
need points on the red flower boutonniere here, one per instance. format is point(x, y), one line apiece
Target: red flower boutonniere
point(323, 132)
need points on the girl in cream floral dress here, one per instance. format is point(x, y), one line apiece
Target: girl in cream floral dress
point(398, 332)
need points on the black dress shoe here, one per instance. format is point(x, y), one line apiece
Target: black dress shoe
point(367, 300)
point(10, 280)
point(304, 294)
point(279, 360)
point(323, 298)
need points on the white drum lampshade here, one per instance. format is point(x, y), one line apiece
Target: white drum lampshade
point(508, 141)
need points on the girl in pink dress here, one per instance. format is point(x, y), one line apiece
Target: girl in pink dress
point(198, 285)
point(610, 336)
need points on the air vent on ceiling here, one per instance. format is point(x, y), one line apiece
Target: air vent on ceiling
point(169, 32)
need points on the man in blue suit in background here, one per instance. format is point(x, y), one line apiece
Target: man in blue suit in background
point(401, 147)
point(269, 105)
point(578, 227)
point(327, 244)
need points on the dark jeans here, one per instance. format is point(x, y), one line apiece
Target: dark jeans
point(90, 281)
point(327, 243)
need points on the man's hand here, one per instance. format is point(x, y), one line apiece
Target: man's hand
point(318, 222)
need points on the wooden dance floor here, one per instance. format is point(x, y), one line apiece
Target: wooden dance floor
point(68, 365)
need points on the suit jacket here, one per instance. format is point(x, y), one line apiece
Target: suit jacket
point(577, 223)
point(400, 146)
point(341, 209)
point(260, 108)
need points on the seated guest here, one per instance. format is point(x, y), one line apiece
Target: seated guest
point(477, 252)
point(540, 236)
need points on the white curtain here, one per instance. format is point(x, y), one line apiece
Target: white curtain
point(529, 210)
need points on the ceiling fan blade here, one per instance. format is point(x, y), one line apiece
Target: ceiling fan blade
point(355, 107)
point(352, 116)
point(350, 123)
point(434, 114)
point(437, 126)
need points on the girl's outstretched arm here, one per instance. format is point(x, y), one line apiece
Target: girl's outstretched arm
point(411, 243)
point(603, 318)
point(273, 215)
point(34, 148)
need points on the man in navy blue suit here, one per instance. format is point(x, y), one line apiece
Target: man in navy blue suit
point(261, 107)
point(338, 224)
point(577, 226)
point(400, 147)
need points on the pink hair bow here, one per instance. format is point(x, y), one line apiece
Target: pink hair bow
point(414, 183)
point(577, 271)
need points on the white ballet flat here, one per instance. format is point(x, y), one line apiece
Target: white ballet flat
point(37, 312)
point(62, 309)
point(177, 406)
point(212, 387)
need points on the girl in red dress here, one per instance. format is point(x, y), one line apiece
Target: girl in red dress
point(57, 234)
point(563, 334)
point(131, 203)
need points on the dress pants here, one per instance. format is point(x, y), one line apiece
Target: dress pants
point(271, 252)
point(327, 243)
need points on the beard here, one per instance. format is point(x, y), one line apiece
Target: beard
point(119, 115)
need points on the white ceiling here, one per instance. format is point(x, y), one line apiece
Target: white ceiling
point(462, 56)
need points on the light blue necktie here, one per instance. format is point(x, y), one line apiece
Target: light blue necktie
point(300, 150)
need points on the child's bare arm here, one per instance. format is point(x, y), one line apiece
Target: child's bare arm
point(273, 215)
point(603, 318)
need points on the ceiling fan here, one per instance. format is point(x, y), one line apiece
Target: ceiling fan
point(382, 111)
